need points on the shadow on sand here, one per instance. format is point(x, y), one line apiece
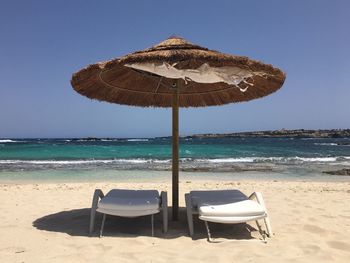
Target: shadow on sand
point(76, 223)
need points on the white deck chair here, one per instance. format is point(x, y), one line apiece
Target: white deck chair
point(227, 207)
point(129, 203)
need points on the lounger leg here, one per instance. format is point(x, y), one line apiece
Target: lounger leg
point(208, 230)
point(97, 194)
point(103, 224)
point(152, 223)
point(164, 198)
point(259, 227)
point(189, 214)
point(268, 226)
point(92, 220)
point(262, 233)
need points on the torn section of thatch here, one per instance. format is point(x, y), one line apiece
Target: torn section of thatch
point(115, 82)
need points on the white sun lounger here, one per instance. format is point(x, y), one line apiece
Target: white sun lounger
point(227, 207)
point(129, 203)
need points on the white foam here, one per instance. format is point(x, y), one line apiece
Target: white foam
point(327, 144)
point(162, 161)
point(275, 159)
point(137, 140)
point(231, 160)
point(5, 141)
point(132, 160)
point(69, 162)
point(317, 159)
point(300, 159)
point(53, 161)
point(284, 160)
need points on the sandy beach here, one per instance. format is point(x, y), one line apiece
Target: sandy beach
point(174, 96)
point(48, 222)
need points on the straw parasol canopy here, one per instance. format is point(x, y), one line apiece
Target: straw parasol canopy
point(115, 82)
point(176, 73)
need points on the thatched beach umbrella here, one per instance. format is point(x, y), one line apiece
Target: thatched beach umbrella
point(176, 73)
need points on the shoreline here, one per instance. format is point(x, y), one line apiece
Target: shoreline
point(146, 176)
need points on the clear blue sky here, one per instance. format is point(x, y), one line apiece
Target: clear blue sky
point(43, 42)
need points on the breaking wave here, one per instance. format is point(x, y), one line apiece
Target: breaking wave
point(285, 160)
point(6, 141)
point(277, 160)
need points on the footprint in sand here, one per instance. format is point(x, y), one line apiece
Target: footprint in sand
point(311, 249)
point(339, 245)
point(328, 216)
point(13, 250)
point(95, 247)
point(296, 211)
point(314, 229)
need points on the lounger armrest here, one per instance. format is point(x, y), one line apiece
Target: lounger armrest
point(164, 208)
point(252, 196)
point(163, 199)
point(98, 194)
point(258, 197)
point(189, 212)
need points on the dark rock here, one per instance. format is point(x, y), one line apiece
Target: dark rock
point(338, 172)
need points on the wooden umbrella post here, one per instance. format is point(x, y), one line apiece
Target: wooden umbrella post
point(175, 159)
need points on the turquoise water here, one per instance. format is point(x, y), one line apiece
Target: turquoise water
point(82, 158)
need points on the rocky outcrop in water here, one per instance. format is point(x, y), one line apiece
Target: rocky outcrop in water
point(338, 172)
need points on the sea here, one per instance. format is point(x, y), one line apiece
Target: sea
point(150, 158)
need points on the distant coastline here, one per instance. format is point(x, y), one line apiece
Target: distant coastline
point(283, 133)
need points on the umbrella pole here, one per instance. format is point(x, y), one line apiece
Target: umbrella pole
point(175, 159)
